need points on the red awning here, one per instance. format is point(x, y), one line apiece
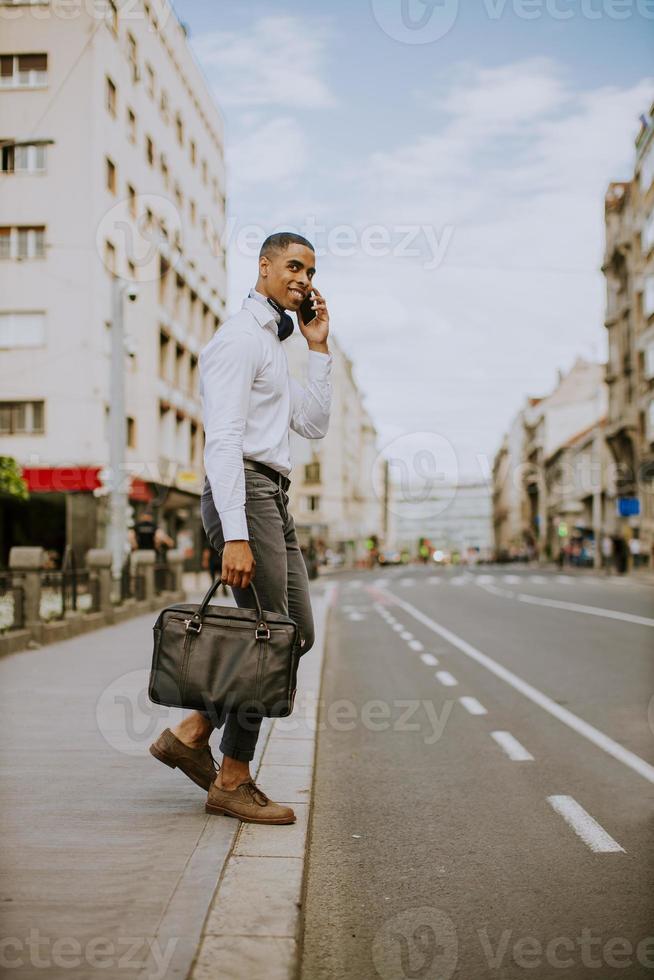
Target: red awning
point(71, 479)
point(61, 479)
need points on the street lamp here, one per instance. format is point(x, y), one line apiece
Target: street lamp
point(117, 534)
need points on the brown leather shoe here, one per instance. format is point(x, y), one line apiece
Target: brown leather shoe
point(248, 803)
point(198, 764)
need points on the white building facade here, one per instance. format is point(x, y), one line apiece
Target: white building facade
point(337, 483)
point(112, 164)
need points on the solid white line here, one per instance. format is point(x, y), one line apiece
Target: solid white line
point(416, 645)
point(589, 610)
point(593, 735)
point(446, 678)
point(473, 706)
point(584, 825)
point(429, 659)
point(512, 747)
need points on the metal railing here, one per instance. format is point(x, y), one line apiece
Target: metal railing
point(12, 605)
point(69, 589)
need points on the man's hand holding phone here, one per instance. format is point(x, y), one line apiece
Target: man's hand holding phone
point(314, 328)
point(238, 564)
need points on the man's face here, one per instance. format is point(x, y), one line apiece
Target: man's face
point(288, 275)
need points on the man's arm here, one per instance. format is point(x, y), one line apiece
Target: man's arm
point(228, 367)
point(310, 406)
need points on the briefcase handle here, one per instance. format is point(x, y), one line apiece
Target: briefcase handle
point(262, 632)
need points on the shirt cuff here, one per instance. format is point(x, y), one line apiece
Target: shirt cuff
point(234, 524)
point(319, 364)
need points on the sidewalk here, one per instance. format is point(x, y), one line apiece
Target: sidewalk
point(110, 863)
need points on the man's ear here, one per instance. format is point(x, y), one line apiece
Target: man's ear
point(264, 264)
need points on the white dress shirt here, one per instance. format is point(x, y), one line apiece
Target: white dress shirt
point(249, 401)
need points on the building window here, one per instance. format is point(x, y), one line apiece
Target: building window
point(648, 297)
point(110, 175)
point(131, 271)
point(193, 152)
point(312, 473)
point(111, 97)
point(131, 125)
point(179, 127)
point(312, 503)
point(149, 151)
point(164, 170)
point(164, 107)
point(22, 329)
point(193, 376)
point(131, 432)
point(650, 419)
point(131, 200)
point(112, 15)
point(149, 80)
point(179, 197)
point(649, 361)
point(164, 348)
point(205, 172)
point(133, 57)
point(26, 158)
point(110, 257)
point(647, 235)
point(193, 211)
point(194, 442)
point(21, 418)
point(22, 242)
point(23, 70)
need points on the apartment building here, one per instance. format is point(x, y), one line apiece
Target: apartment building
point(338, 484)
point(522, 511)
point(629, 270)
point(112, 165)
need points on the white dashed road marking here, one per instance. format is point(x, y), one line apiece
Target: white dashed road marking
point(584, 825)
point(416, 645)
point(512, 747)
point(429, 659)
point(405, 635)
point(446, 678)
point(594, 735)
point(473, 706)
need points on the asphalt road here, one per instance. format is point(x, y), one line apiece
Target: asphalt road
point(485, 778)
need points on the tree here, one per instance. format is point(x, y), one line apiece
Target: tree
point(11, 479)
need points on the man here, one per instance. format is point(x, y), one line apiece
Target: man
point(249, 403)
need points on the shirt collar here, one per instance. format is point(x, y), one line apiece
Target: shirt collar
point(261, 309)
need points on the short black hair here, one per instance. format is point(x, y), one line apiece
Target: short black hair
point(280, 241)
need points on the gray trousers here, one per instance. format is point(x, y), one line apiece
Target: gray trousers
point(280, 578)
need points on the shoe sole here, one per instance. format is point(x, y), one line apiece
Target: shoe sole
point(168, 760)
point(211, 808)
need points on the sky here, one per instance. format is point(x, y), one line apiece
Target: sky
point(449, 160)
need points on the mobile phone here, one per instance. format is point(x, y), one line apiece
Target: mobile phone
point(306, 309)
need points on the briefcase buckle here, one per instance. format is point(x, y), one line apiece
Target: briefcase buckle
point(262, 632)
point(192, 626)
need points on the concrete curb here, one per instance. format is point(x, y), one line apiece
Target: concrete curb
point(252, 925)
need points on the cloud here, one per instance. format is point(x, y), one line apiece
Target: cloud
point(271, 152)
point(516, 159)
point(277, 62)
